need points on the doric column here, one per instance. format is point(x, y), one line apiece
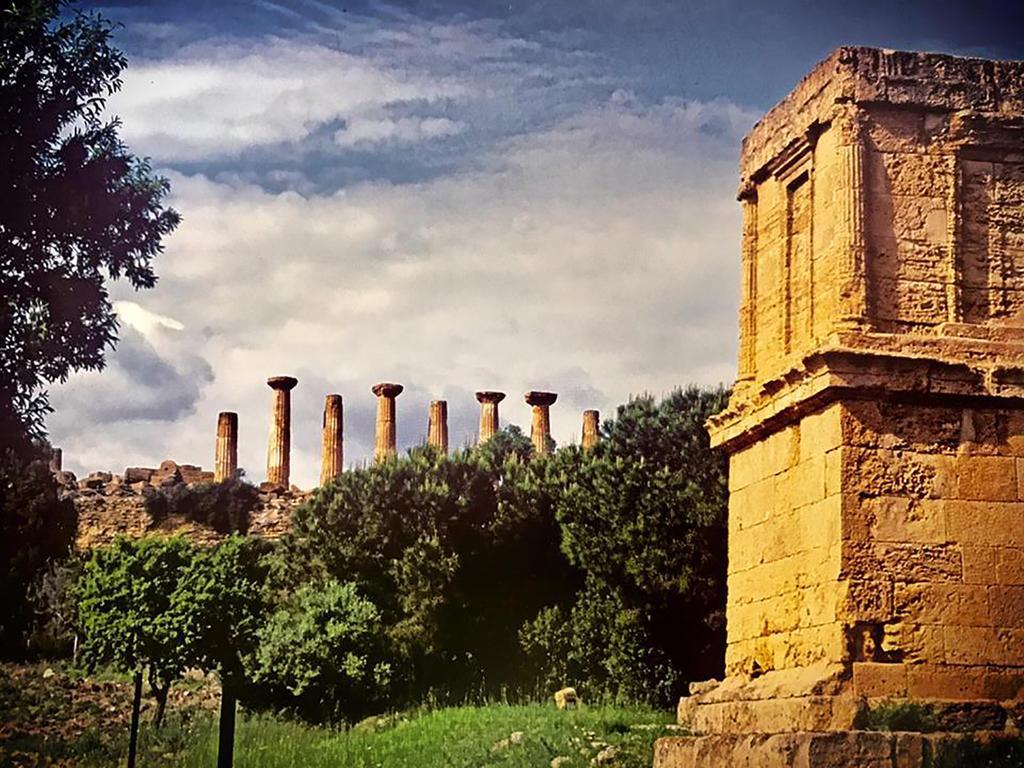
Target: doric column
point(591, 433)
point(280, 443)
point(488, 413)
point(225, 460)
point(540, 430)
point(385, 447)
point(748, 287)
point(333, 448)
point(437, 426)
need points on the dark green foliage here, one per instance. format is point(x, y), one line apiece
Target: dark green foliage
point(899, 716)
point(76, 207)
point(643, 514)
point(455, 553)
point(224, 506)
point(54, 600)
point(37, 529)
point(324, 647)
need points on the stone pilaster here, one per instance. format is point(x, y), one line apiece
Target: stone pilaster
point(333, 448)
point(489, 424)
point(853, 277)
point(540, 429)
point(437, 427)
point(385, 446)
point(748, 288)
point(225, 461)
point(279, 444)
point(591, 429)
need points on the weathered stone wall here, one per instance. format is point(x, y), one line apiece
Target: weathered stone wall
point(115, 505)
point(888, 533)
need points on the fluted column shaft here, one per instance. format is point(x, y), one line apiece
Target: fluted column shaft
point(437, 427)
point(385, 446)
point(591, 429)
point(489, 423)
point(540, 430)
point(225, 462)
point(333, 447)
point(279, 444)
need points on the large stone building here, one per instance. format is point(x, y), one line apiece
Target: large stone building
point(876, 431)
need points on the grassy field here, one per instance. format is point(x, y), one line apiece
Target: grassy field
point(59, 717)
point(460, 737)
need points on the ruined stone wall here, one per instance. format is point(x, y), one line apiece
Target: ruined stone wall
point(933, 542)
point(115, 505)
point(888, 534)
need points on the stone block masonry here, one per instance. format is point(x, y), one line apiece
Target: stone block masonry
point(876, 427)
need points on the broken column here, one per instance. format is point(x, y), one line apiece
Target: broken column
point(225, 462)
point(385, 446)
point(333, 451)
point(279, 444)
point(56, 460)
point(540, 429)
point(591, 433)
point(437, 427)
point(489, 425)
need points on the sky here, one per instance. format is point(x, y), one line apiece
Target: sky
point(453, 196)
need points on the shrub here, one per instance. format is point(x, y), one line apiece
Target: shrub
point(224, 506)
point(456, 553)
point(325, 647)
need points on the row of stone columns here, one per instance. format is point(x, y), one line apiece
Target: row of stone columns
point(385, 446)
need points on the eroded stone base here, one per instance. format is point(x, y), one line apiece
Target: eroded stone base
point(848, 749)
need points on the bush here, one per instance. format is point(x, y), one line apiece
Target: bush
point(224, 506)
point(456, 554)
point(324, 647)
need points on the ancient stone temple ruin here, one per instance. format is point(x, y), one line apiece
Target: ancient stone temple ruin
point(111, 504)
point(876, 431)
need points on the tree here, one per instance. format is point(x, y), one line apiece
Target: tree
point(37, 529)
point(644, 515)
point(456, 553)
point(132, 617)
point(225, 597)
point(324, 646)
point(76, 207)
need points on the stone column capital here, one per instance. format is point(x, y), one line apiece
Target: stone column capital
point(489, 396)
point(285, 383)
point(387, 389)
point(542, 399)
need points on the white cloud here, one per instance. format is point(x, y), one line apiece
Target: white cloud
point(219, 99)
point(598, 258)
point(404, 130)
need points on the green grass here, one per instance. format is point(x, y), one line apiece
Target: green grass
point(459, 737)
